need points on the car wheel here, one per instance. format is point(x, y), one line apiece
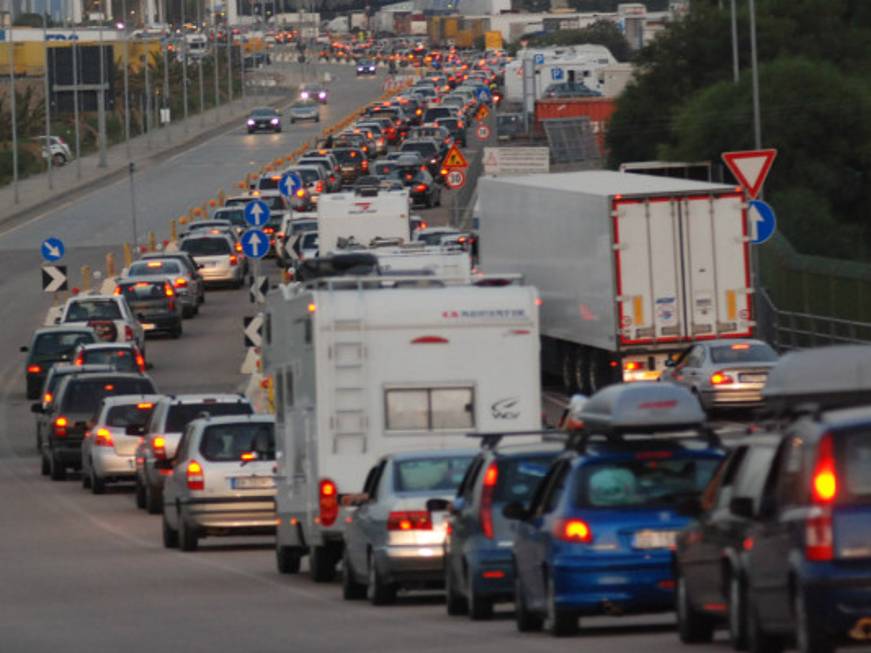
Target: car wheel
point(438, 201)
point(176, 332)
point(287, 559)
point(292, 121)
point(57, 471)
point(86, 479)
point(170, 535)
point(378, 591)
point(45, 466)
point(352, 590)
point(758, 641)
point(188, 538)
point(98, 485)
point(454, 601)
point(737, 613)
point(525, 620)
point(322, 567)
point(809, 638)
point(480, 608)
point(559, 621)
point(318, 119)
point(428, 202)
point(692, 626)
point(33, 389)
point(188, 312)
point(139, 495)
point(58, 160)
point(153, 500)
point(278, 130)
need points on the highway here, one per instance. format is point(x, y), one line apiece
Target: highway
point(89, 573)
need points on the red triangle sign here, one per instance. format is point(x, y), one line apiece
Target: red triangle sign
point(750, 168)
point(455, 159)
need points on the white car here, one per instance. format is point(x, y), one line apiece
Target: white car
point(109, 315)
point(217, 255)
point(57, 149)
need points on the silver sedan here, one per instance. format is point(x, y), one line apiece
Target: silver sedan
point(392, 540)
point(724, 373)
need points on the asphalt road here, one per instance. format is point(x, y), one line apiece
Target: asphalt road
point(88, 573)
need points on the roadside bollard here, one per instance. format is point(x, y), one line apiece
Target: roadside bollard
point(86, 278)
point(173, 231)
point(110, 265)
point(128, 255)
point(183, 219)
point(222, 197)
point(152, 242)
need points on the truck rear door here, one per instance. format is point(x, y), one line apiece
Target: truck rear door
point(682, 268)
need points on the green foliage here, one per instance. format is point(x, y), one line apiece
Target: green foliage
point(601, 32)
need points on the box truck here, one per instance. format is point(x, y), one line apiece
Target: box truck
point(363, 217)
point(366, 365)
point(631, 268)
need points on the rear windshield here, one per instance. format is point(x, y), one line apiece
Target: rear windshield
point(236, 217)
point(84, 397)
point(384, 168)
point(144, 291)
point(267, 183)
point(743, 353)
point(429, 474)
point(130, 415)
point(122, 360)
point(303, 225)
point(857, 464)
point(145, 268)
point(518, 477)
point(637, 483)
point(227, 442)
point(450, 123)
point(426, 149)
point(346, 156)
point(432, 114)
point(206, 246)
point(274, 202)
point(308, 176)
point(53, 345)
point(93, 309)
point(323, 163)
point(180, 414)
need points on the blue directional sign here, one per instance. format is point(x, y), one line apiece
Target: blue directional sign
point(538, 59)
point(763, 222)
point(289, 184)
point(557, 74)
point(255, 243)
point(52, 249)
point(257, 213)
point(482, 93)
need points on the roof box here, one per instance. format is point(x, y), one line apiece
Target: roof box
point(825, 377)
point(645, 407)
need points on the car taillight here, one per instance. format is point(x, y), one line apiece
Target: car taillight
point(194, 474)
point(80, 360)
point(47, 398)
point(103, 438)
point(825, 478)
point(140, 363)
point(364, 164)
point(491, 476)
point(181, 282)
point(238, 247)
point(117, 291)
point(234, 260)
point(60, 427)
point(158, 446)
point(319, 186)
point(409, 520)
point(128, 332)
point(421, 188)
point(574, 530)
point(819, 538)
point(328, 502)
point(34, 369)
point(168, 290)
point(720, 378)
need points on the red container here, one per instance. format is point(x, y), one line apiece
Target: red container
point(598, 109)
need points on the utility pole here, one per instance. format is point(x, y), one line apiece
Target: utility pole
point(101, 98)
point(184, 65)
point(215, 61)
point(15, 118)
point(200, 57)
point(78, 131)
point(131, 168)
point(229, 65)
point(47, 99)
point(148, 107)
point(757, 113)
point(126, 79)
point(166, 75)
point(736, 72)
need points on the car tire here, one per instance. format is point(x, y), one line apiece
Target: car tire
point(438, 200)
point(58, 160)
point(153, 500)
point(86, 479)
point(480, 608)
point(526, 621)
point(322, 567)
point(318, 119)
point(33, 389)
point(429, 202)
point(287, 559)
point(139, 495)
point(693, 627)
point(455, 603)
point(737, 612)
point(98, 485)
point(352, 590)
point(45, 466)
point(188, 538)
point(177, 332)
point(559, 622)
point(378, 591)
point(188, 312)
point(292, 121)
point(808, 638)
point(170, 535)
point(57, 471)
point(758, 641)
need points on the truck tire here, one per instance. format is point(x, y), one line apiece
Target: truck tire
point(322, 566)
point(567, 365)
point(287, 559)
point(581, 370)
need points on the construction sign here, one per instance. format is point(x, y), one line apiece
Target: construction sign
point(493, 40)
point(482, 113)
point(455, 159)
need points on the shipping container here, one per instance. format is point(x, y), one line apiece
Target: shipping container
point(598, 109)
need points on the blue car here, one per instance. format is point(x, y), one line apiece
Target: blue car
point(478, 548)
point(598, 535)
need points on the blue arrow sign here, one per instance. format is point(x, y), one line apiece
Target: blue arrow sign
point(255, 243)
point(289, 184)
point(52, 249)
point(763, 221)
point(557, 74)
point(257, 213)
point(538, 59)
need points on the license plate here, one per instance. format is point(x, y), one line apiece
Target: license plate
point(148, 326)
point(654, 539)
point(753, 378)
point(252, 482)
point(210, 264)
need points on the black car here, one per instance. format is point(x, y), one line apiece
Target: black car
point(264, 119)
point(709, 568)
point(49, 346)
point(456, 127)
point(352, 163)
point(154, 302)
point(431, 152)
point(366, 67)
point(421, 187)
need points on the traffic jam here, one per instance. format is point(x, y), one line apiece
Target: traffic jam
point(394, 439)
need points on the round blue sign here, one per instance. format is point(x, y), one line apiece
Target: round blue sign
point(255, 243)
point(762, 221)
point(257, 213)
point(52, 249)
point(289, 184)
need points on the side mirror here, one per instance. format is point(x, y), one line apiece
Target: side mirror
point(514, 510)
point(742, 507)
point(135, 429)
point(438, 505)
point(24, 349)
point(164, 463)
point(37, 408)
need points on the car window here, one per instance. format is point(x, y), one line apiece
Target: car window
point(467, 485)
point(129, 415)
point(179, 415)
point(144, 268)
point(227, 442)
point(855, 451)
point(750, 479)
point(428, 150)
point(633, 483)
point(144, 290)
point(59, 344)
point(518, 477)
point(718, 492)
point(235, 216)
point(554, 489)
point(786, 480)
point(429, 474)
point(122, 360)
point(206, 246)
point(84, 396)
point(743, 353)
point(93, 309)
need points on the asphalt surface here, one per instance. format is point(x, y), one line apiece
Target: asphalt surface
point(89, 573)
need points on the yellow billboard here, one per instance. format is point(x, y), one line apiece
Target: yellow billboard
point(493, 40)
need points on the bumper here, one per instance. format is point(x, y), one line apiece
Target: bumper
point(492, 574)
point(231, 515)
point(741, 396)
point(221, 275)
point(411, 563)
point(263, 127)
point(161, 322)
point(839, 603)
point(307, 116)
point(69, 454)
point(109, 464)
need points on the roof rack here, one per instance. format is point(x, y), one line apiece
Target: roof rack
point(580, 441)
point(492, 440)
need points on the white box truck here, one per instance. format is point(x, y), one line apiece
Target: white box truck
point(364, 366)
point(631, 268)
point(452, 264)
point(363, 217)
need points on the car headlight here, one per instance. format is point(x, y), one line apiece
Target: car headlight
point(274, 121)
point(250, 122)
point(304, 95)
point(322, 95)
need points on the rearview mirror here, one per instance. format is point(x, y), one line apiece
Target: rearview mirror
point(742, 507)
point(438, 505)
point(134, 429)
point(514, 510)
point(37, 408)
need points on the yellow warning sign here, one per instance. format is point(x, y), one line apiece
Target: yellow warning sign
point(455, 159)
point(482, 113)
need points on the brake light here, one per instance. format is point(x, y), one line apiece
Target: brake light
point(238, 247)
point(409, 520)
point(140, 362)
point(195, 479)
point(234, 260)
point(60, 427)
point(328, 496)
point(117, 290)
point(80, 360)
point(631, 366)
point(574, 530)
point(491, 476)
point(248, 456)
point(421, 188)
point(181, 282)
point(158, 446)
point(34, 369)
point(819, 539)
point(103, 438)
point(300, 193)
point(319, 186)
point(128, 332)
point(720, 378)
point(168, 291)
point(825, 480)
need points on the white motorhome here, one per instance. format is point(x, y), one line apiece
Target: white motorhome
point(362, 217)
point(364, 366)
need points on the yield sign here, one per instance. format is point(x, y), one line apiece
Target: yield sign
point(455, 159)
point(750, 168)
